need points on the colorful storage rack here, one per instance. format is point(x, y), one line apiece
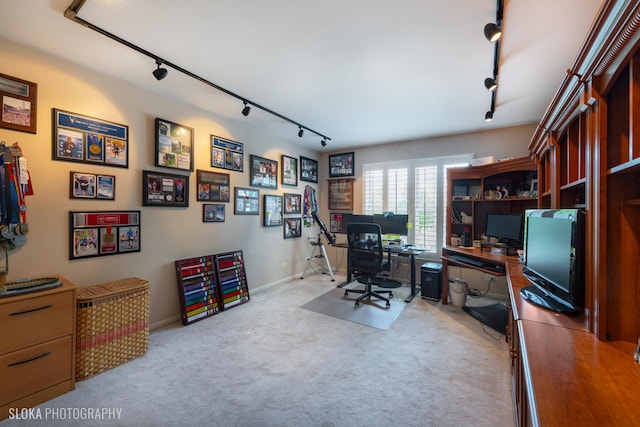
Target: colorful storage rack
point(232, 279)
point(199, 296)
point(209, 284)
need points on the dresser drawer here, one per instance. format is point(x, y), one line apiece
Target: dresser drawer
point(34, 320)
point(31, 369)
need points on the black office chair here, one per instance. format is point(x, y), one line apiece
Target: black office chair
point(366, 259)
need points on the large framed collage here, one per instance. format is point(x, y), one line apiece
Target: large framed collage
point(100, 233)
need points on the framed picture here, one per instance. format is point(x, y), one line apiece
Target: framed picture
point(99, 233)
point(164, 189)
point(212, 213)
point(292, 227)
point(19, 98)
point(91, 186)
point(341, 194)
point(213, 186)
point(534, 188)
point(289, 170)
point(84, 139)
point(264, 172)
point(174, 145)
point(292, 203)
point(308, 169)
point(335, 222)
point(247, 201)
point(341, 165)
point(272, 211)
point(227, 154)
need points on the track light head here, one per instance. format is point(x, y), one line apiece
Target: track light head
point(489, 116)
point(492, 32)
point(323, 142)
point(246, 110)
point(490, 84)
point(300, 131)
point(160, 72)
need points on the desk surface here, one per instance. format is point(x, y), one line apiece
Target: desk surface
point(573, 379)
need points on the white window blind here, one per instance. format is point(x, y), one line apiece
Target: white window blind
point(416, 188)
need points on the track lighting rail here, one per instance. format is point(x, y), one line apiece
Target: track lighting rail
point(72, 13)
point(493, 33)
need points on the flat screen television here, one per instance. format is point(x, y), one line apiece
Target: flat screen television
point(506, 227)
point(391, 223)
point(554, 259)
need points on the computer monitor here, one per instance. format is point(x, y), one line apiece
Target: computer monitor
point(391, 223)
point(348, 218)
point(506, 227)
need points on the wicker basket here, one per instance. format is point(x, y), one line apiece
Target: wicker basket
point(112, 325)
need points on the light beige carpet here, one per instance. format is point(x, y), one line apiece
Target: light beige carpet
point(272, 363)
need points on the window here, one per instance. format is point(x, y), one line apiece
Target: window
point(416, 188)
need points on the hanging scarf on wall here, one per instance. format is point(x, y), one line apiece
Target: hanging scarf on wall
point(310, 204)
point(15, 184)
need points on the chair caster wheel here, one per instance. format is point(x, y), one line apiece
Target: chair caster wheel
point(390, 295)
point(346, 293)
point(357, 303)
point(388, 305)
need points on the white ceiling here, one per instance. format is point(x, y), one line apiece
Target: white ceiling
point(361, 72)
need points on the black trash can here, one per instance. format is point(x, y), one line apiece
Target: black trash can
point(431, 280)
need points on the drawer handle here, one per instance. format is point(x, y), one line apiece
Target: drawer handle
point(22, 362)
point(44, 307)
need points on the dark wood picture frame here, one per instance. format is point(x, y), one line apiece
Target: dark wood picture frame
point(292, 228)
point(289, 170)
point(341, 165)
point(173, 145)
point(212, 212)
point(292, 203)
point(100, 233)
point(272, 211)
point(84, 139)
point(246, 201)
point(19, 104)
point(308, 169)
point(341, 194)
point(84, 185)
point(264, 172)
point(213, 186)
point(165, 189)
point(227, 154)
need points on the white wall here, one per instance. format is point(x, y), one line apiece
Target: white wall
point(169, 234)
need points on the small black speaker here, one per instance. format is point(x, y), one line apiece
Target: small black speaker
point(431, 280)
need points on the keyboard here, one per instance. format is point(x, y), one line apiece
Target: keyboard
point(27, 286)
point(477, 262)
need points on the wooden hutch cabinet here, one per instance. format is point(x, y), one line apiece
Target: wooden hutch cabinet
point(580, 370)
point(475, 191)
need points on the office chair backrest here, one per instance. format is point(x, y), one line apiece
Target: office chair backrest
point(365, 248)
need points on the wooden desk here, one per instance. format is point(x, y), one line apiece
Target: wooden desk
point(476, 253)
point(562, 375)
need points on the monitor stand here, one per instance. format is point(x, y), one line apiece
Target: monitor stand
point(539, 298)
